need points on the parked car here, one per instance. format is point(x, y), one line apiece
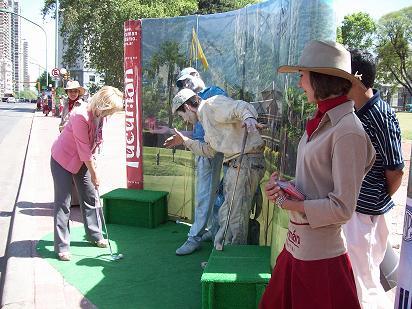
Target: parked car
point(11, 100)
point(408, 107)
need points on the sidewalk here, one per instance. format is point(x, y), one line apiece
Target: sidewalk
point(30, 282)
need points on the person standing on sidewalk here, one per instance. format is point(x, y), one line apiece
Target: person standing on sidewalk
point(45, 104)
point(72, 158)
point(313, 270)
point(224, 121)
point(367, 231)
point(207, 169)
point(74, 92)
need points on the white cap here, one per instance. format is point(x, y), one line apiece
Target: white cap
point(185, 74)
point(181, 98)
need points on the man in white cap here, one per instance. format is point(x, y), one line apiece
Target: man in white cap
point(223, 120)
point(207, 169)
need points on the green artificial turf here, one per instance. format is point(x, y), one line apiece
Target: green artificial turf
point(143, 208)
point(149, 276)
point(135, 195)
point(236, 277)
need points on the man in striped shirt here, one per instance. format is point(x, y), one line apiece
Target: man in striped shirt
point(367, 232)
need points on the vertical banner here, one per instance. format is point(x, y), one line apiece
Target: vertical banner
point(403, 299)
point(133, 101)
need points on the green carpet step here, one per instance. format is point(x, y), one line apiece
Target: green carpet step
point(236, 277)
point(142, 208)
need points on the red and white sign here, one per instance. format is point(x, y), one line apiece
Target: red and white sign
point(55, 72)
point(133, 100)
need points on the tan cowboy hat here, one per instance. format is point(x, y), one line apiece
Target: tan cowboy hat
point(74, 84)
point(326, 57)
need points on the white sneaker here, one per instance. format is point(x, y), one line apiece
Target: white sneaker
point(188, 247)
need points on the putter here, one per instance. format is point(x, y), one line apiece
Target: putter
point(220, 247)
point(113, 257)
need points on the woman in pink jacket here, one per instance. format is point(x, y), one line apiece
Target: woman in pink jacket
point(72, 158)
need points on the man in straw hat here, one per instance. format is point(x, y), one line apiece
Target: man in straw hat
point(74, 93)
point(313, 270)
point(223, 120)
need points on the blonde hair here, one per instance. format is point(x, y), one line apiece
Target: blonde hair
point(108, 99)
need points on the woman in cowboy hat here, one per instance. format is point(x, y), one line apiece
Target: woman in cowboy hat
point(72, 158)
point(334, 154)
point(74, 93)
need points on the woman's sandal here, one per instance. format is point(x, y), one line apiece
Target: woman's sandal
point(64, 256)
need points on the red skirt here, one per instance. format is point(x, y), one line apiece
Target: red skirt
point(319, 284)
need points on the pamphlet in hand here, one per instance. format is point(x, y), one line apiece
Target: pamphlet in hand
point(291, 190)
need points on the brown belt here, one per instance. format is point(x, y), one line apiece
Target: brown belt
point(232, 162)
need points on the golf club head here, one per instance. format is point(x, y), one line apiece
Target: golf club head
point(116, 257)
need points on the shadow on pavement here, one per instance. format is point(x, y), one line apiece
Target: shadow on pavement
point(44, 210)
point(22, 249)
point(6, 213)
point(19, 109)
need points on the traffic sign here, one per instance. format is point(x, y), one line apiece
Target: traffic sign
point(55, 72)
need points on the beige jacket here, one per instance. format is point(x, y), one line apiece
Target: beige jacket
point(329, 171)
point(222, 119)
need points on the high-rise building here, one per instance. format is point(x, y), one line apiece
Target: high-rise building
point(5, 51)
point(25, 58)
point(15, 43)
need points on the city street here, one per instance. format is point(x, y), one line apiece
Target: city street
point(15, 125)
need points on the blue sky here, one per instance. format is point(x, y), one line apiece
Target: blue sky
point(31, 9)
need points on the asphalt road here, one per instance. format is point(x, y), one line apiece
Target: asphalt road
point(15, 125)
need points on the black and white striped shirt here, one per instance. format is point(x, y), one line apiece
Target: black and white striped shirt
point(382, 126)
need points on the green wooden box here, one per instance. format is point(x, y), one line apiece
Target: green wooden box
point(236, 277)
point(144, 208)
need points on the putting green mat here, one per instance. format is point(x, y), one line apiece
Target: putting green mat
point(149, 276)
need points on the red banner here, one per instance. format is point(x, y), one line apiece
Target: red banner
point(133, 100)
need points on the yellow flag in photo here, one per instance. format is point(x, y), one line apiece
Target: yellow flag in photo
point(196, 51)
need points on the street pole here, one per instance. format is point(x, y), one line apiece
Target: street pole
point(56, 42)
point(44, 31)
point(40, 67)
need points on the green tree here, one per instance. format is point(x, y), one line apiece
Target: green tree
point(27, 94)
point(95, 27)
point(171, 58)
point(357, 31)
point(93, 88)
point(43, 82)
point(394, 48)
point(217, 6)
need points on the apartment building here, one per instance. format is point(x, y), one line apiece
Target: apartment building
point(25, 63)
point(6, 69)
point(15, 43)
